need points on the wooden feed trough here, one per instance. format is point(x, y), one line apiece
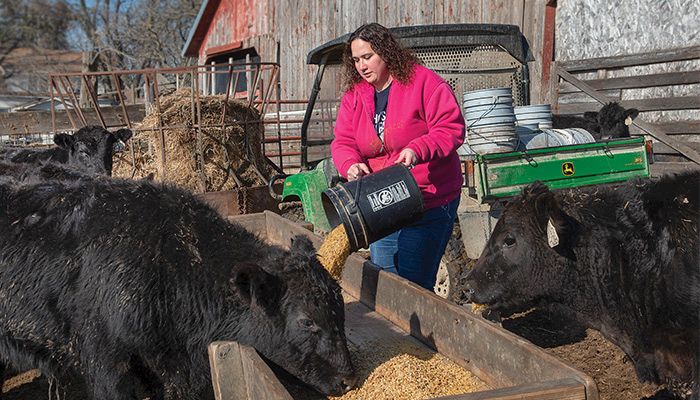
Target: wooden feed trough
point(514, 367)
point(246, 200)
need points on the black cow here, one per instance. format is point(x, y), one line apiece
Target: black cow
point(41, 172)
point(612, 121)
point(90, 148)
point(125, 283)
point(623, 258)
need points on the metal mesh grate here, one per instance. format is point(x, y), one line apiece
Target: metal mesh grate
point(473, 67)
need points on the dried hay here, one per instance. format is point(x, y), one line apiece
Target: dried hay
point(229, 155)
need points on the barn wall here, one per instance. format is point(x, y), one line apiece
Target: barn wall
point(236, 21)
point(301, 25)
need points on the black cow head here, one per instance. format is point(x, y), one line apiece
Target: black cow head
point(299, 318)
point(613, 120)
point(91, 148)
point(529, 255)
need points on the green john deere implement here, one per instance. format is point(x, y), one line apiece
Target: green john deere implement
point(506, 174)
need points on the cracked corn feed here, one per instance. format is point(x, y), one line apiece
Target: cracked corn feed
point(406, 370)
point(334, 251)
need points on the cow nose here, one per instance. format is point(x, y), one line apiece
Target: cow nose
point(349, 383)
point(469, 292)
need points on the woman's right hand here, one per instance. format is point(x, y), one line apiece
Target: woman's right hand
point(357, 170)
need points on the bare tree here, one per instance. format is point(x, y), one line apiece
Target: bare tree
point(37, 24)
point(113, 34)
point(135, 34)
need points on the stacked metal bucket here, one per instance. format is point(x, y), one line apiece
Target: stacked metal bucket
point(559, 137)
point(495, 126)
point(530, 120)
point(534, 128)
point(534, 117)
point(490, 120)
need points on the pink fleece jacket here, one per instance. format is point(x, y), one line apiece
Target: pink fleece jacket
point(422, 115)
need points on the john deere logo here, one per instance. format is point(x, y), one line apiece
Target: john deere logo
point(567, 168)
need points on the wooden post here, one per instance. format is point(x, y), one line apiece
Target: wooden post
point(84, 100)
point(249, 77)
point(232, 88)
point(227, 371)
point(550, 14)
point(238, 372)
point(212, 81)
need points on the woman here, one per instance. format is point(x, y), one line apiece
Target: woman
point(397, 111)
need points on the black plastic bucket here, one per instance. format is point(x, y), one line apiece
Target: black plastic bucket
point(375, 205)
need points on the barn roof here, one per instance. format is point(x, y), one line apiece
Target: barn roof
point(199, 29)
point(507, 36)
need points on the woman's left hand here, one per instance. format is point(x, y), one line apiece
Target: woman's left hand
point(407, 157)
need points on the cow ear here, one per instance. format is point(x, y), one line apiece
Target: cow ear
point(257, 288)
point(630, 114)
point(64, 140)
point(123, 134)
point(301, 252)
point(561, 229)
point(539, 194)
point(301, 245)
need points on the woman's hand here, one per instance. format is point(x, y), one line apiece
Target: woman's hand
point(407, 157)
point(357, 170)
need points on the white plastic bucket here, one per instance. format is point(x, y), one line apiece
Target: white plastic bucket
point(488, 97)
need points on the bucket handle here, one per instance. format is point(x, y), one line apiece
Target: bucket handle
point(353, 206)
point(493, 105)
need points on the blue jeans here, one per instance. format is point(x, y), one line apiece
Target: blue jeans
point(414, 252)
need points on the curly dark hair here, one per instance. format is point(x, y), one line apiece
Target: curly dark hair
point(399, 60)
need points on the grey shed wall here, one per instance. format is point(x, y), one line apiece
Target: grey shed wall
point(594, 28)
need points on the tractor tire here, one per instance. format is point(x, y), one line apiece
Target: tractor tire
point(454, 266)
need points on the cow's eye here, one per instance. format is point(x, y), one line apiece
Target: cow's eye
point(307, 323)
point(509, 241)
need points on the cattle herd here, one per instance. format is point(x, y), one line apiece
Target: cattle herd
point(122, 284)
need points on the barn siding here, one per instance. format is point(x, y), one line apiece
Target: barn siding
point(301, 25)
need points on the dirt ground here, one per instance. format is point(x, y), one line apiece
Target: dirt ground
point(588, 351)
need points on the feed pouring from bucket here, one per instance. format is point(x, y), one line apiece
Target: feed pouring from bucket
point(368, 209)
point(334, 251)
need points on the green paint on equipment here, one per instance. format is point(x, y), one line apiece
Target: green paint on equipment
point(307, 186)
point(506, 174)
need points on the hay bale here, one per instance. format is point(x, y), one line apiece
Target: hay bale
point(229, 153)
